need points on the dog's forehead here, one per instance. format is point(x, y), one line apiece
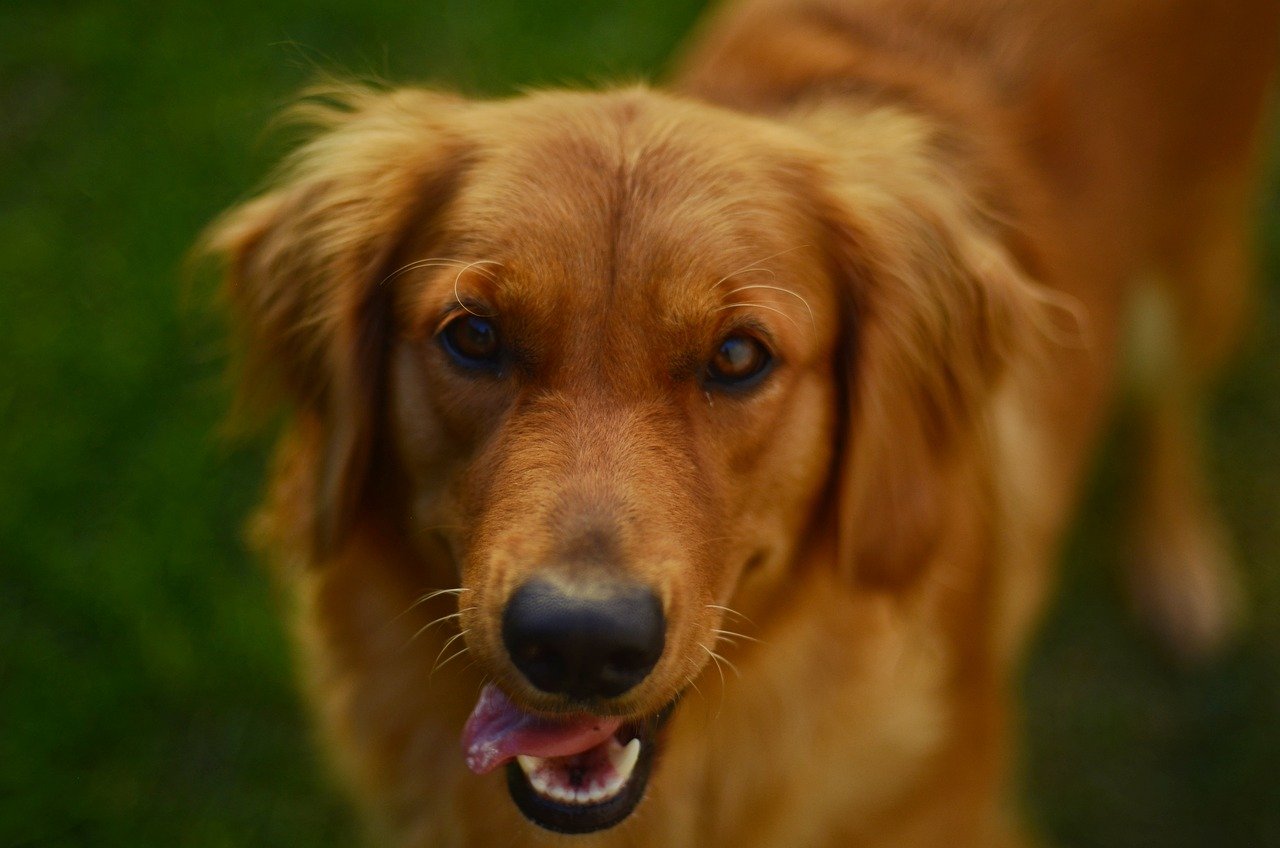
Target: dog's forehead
point(628, 197)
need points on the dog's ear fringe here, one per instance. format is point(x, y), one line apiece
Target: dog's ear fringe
point(304, 261)
point(937, 309)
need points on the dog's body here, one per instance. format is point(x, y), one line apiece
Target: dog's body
point(881, 516)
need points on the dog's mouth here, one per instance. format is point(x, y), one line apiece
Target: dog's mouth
point(569, 774)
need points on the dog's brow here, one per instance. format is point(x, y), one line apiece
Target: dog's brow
point(758, 306)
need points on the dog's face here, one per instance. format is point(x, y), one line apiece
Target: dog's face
point(625, 360)
point(612, 392)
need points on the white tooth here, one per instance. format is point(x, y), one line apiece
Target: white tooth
point(530, 765)
point(625, 760)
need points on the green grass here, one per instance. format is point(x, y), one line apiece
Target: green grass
point(145, 687)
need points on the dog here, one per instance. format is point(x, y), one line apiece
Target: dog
point(686, 467)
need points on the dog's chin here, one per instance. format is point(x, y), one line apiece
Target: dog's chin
point(594, 790)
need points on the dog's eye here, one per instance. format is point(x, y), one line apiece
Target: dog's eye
point(472, 341)
point(739, 362)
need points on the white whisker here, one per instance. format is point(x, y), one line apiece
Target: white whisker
point(434, 622)
point(730, 611)
point(748, 270)
point(755, 266)
point(433, 262)
point(812, 319)
point(437, 593)
point(712, 654)
point(458, 278)
point(729, 635)
point(437, 665)
point(706, 705)
point(425, 599)
point(448, 660)
point(721, 657)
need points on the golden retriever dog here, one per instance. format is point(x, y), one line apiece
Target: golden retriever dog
point(686, 467)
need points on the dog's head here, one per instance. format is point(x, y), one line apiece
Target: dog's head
point(618, 362)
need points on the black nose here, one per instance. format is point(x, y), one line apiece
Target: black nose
point(597, 644)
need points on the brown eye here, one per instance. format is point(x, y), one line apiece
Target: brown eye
point(472, 341)
point(739, 362)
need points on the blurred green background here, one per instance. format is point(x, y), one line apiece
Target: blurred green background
point(145, 691)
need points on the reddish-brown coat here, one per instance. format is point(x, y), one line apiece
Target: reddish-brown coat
point(953, 200)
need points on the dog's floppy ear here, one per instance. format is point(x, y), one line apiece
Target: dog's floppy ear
point(934, 308)
point(308, 265)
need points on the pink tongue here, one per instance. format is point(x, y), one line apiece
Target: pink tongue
point(498, 730)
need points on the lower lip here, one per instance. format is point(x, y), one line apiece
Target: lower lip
point(581, 818)
point(588, 818)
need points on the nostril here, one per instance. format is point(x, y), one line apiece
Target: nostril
point(590, 645)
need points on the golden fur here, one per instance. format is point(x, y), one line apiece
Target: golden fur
point(938, 214)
